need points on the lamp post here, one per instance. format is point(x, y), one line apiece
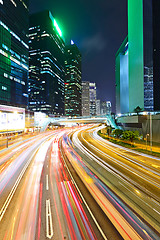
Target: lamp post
point(150, 129)
point(146, 139)
point(151, 132)
point(7, 128)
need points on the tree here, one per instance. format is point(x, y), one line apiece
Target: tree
point(138, 109)
point(117, 133)
point(130, 135)
point(109, 130)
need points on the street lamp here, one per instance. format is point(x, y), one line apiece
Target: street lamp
point(150, 132)
point(146, 139)
point(7, 128)
point(150, 129)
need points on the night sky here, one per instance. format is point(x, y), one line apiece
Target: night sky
point(98, 27)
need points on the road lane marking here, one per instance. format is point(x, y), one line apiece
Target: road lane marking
point(47, 186)
point(49, 225)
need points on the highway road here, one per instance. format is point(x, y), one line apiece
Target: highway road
point(43, 197)
point(133, 178)
point(71, 184)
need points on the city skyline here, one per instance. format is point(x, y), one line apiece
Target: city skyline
point(97, 33)
point(70, 167)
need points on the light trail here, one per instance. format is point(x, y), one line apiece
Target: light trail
point(73, 159)
point(24, 215)
point(84, 201)
point(9, 198)
point(131, 159)
point(150, 213)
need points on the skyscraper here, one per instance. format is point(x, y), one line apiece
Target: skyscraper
point(138, 59)
point(156, 53)
point(122, 78)
point(73, 85)
point(98, 107)
point(93, 97)
point(109, 107)
point(85, 99)
point(103, 108)
point(14, 52)
point(46, 64)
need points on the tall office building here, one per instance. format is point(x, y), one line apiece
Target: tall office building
point(138, 59)
point(73, 85)
point(85, 99)
point(105, 107)
point(98, 107)
point(46, 64)
point(93, 96)
point(109, 107)
point(14, 52)
point(122, 79)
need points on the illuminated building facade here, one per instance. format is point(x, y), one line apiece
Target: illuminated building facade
point(93, 97)
point(122, 79)
point(109, 107)
point(14, 52)
point(85, 99)
point(138, 59)
point(73, 85)
point(105, 107)
point(98, 107)
point(46, 64)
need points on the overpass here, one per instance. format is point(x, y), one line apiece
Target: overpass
point(74, 120)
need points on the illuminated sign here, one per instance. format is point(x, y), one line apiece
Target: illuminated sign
point(12, 121)
point(11, 118)
point(39, 119)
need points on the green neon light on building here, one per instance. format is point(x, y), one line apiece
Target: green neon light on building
point(57, 28)
point(55, 24)
point(135, 54)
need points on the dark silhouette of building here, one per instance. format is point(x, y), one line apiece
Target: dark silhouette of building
point(73, 85)
point(14, 52)
point(46, 64)
point(156, 53)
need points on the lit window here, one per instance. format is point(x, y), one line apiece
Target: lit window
point(4, 88)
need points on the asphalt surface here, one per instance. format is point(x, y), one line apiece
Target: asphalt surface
point(131, 176)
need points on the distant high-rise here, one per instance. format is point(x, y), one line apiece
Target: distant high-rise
point(93, 96)
point(14, 52)
point(109, 107)
point(73, 85)
point(46, 64)
point(85, 99)
point(103, 108)
point(138, 59)
point(98, 107)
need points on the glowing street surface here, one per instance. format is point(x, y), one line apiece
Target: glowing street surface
point(117, 168)
point(50, 183)
point(38, 199)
